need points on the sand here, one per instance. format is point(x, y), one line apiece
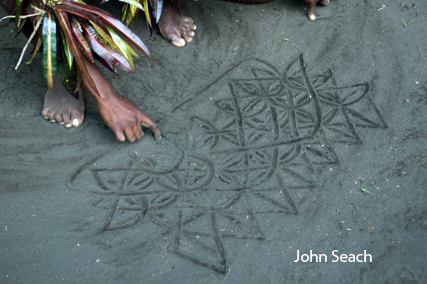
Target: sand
point(280, 136)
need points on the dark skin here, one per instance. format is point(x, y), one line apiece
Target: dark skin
point(119, 113)
point(311, 4)
point(174, 27)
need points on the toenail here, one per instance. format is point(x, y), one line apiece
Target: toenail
point(46, 117)
point(52, 120)
point(312, 17)
point(62, 123)
point(67, 125)
point(76, 122)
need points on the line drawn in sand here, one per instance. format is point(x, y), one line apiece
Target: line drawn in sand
point(270, 133)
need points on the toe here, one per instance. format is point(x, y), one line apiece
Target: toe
point(76, 119)
point(45, 113)
point(51, 116)
point(66, 121)
point(179, 42)
point(188, 39)
point(187, 21)
point(58, 118)
point(76, 122)
point(311, 8)
point(188, 35)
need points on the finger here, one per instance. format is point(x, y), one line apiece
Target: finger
point(138, 131)
point(130, 134)
point(147, 122)
point(120, 136)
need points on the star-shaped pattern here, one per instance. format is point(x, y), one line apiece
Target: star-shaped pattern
point(216, 179)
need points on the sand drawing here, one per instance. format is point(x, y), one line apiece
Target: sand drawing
point(266, 133)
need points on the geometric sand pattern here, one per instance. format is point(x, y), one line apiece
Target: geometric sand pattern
point(261, 133)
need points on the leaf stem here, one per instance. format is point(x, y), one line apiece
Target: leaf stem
point(21, 17)
point(39, 22)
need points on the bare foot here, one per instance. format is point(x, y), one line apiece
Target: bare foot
point(174, 27)
point(62, 107)
point(311, 4)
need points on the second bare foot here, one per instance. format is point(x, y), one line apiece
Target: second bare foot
point(179, 30)
point(60, 106)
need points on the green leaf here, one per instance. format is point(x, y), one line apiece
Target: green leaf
point(68, 76)
point(83, 44)
point(148, 15)
point(157, 7)
point(107, 38)
point(107, 19)
point(49, 49)
point(106, 52)
point(67, 51)
point(129, 13)
point(36, 49)
point(133, 3)
point(66, 28)
point(17, 13)
point(122, 47)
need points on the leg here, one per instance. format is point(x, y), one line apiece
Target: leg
point(175, 28)
point(120, 114)
point(59, 105)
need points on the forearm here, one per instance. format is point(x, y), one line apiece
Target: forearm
point(103, 87)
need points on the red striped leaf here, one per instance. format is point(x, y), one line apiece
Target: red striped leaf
point(49, 48)
point(78, 35)
point(107, 18)
point(108, 53)
point(66, 27)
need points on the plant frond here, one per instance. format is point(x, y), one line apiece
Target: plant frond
point(36, 49)
point(78, 35)
point(49, 49)
point(62, 17)
point(108, 19)
point(36, 28)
